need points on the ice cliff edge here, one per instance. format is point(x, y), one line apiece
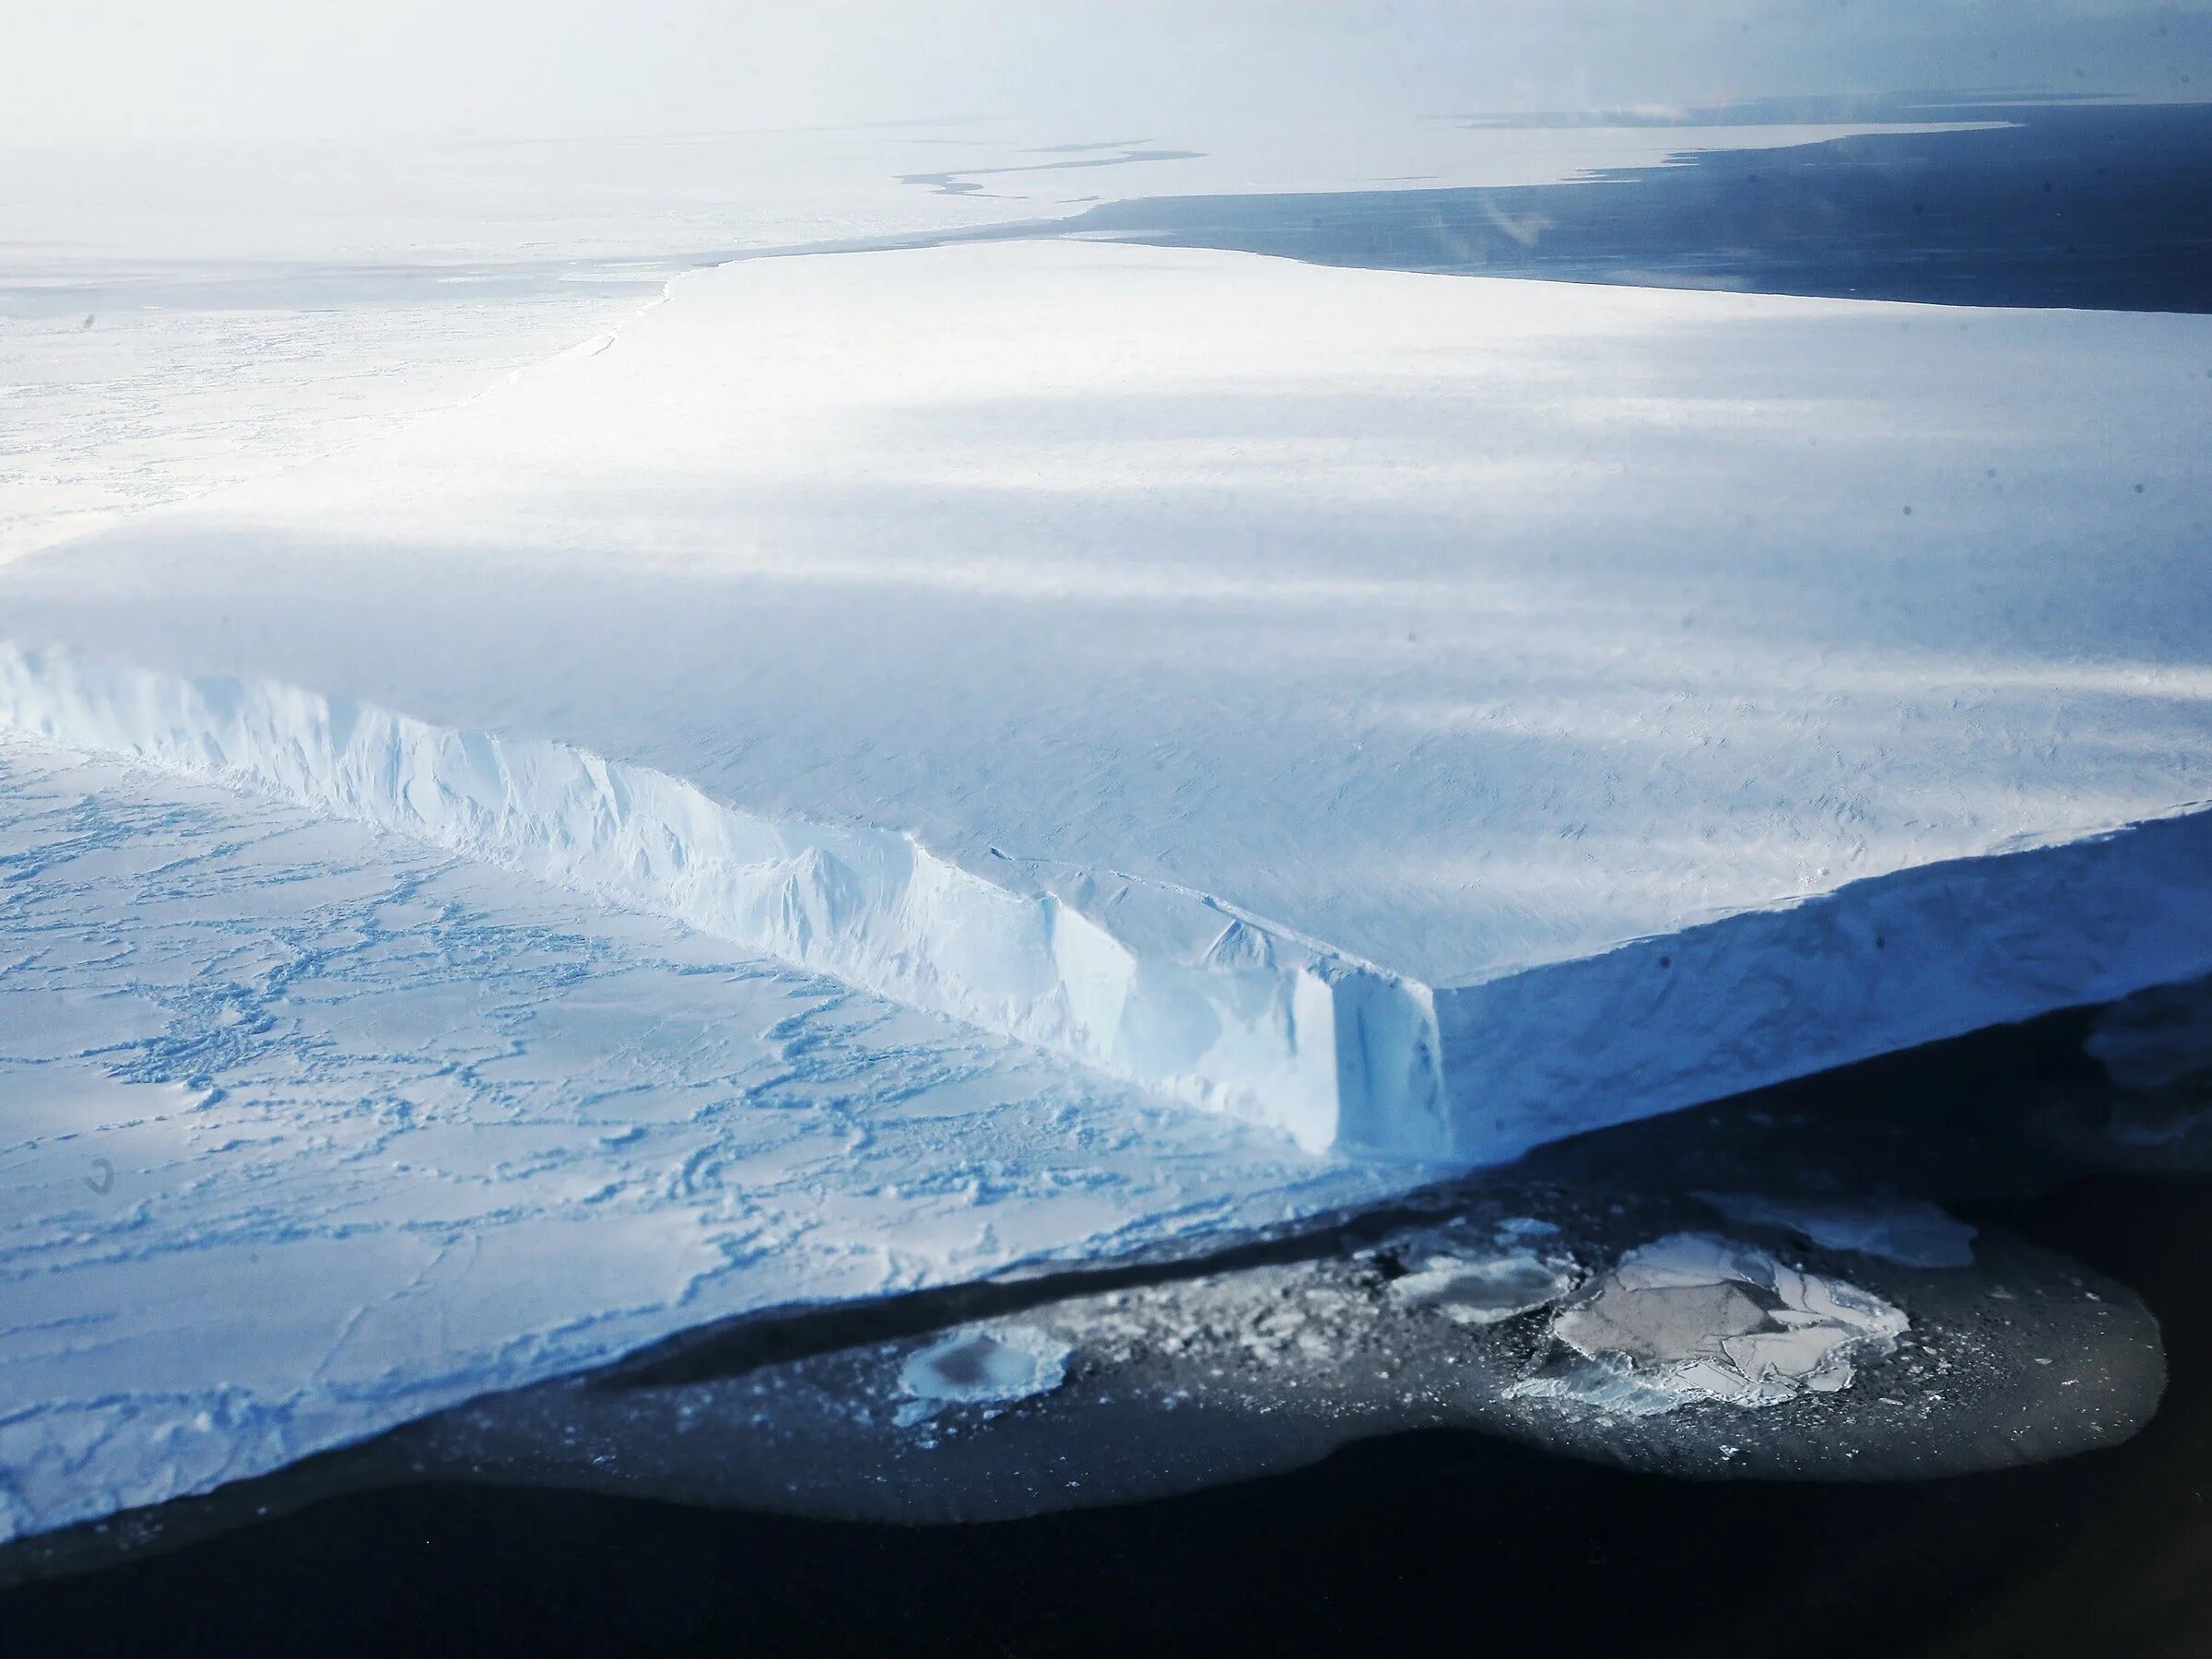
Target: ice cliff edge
point(1182, 991)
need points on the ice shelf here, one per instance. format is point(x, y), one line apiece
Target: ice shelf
point(1431, 715)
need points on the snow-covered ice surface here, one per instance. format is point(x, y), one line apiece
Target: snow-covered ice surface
point(179, 316)
point(306, 1132)
point(1431, 714)
point(1428, 716)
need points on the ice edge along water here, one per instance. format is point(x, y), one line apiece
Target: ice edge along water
point(1250, 1021)
point(1182, 992)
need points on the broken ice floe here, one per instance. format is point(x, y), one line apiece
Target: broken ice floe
point(1913, 1233)
point(2157, 1039)
point(1695, 1317)
point(987, 1366)
point(1452, 1275)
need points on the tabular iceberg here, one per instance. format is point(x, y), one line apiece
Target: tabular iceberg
point(1431, 715)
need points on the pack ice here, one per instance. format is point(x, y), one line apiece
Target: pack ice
point(1429, 715)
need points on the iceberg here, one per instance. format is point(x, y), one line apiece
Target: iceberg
point(1427, 715)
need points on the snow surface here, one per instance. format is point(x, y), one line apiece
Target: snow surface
point(179, 316)
point(1430, 715)
point(306, 1132)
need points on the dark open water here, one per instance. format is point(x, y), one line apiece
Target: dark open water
point(2099, 205)
point(1410, 1542)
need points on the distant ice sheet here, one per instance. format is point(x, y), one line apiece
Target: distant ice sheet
point(179, 316)
point(308, 1131)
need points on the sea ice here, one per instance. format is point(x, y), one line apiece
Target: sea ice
point(1180, 1375)
point(309, 1132)
point(1453, 1272)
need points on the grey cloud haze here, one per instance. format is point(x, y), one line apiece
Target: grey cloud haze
point(260, 67)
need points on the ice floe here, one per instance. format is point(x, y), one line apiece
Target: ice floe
point(1454, 1273)
point(1695, 1317)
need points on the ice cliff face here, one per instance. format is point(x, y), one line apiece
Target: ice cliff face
point(1180, 992)
point(1169, 989)
point(308, 1129)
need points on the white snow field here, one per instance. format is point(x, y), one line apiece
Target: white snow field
point(306, 1132)
point(1431, 715)
point(178, 316)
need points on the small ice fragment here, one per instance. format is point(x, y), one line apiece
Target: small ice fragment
point(980, 1365)
point(1694, 1317)
point(1482, 1293)
point(1912, 1233)
point(1526, 1227)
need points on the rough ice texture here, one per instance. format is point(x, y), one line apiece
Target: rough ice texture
point(981, 1365)
point(1693, 1317)
point(1239, 1017)
point(1549, 683)
point(307, 1131)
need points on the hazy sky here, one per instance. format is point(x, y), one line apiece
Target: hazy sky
point(262, 68)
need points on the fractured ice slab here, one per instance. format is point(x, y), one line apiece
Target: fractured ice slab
point(1455, 1273)
point(1434, 715)
point(983, 1365)
point(1484, 1290)
point(1694, 1317)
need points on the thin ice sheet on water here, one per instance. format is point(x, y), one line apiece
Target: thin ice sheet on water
point(1910, 1231)
point(981, 1365)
